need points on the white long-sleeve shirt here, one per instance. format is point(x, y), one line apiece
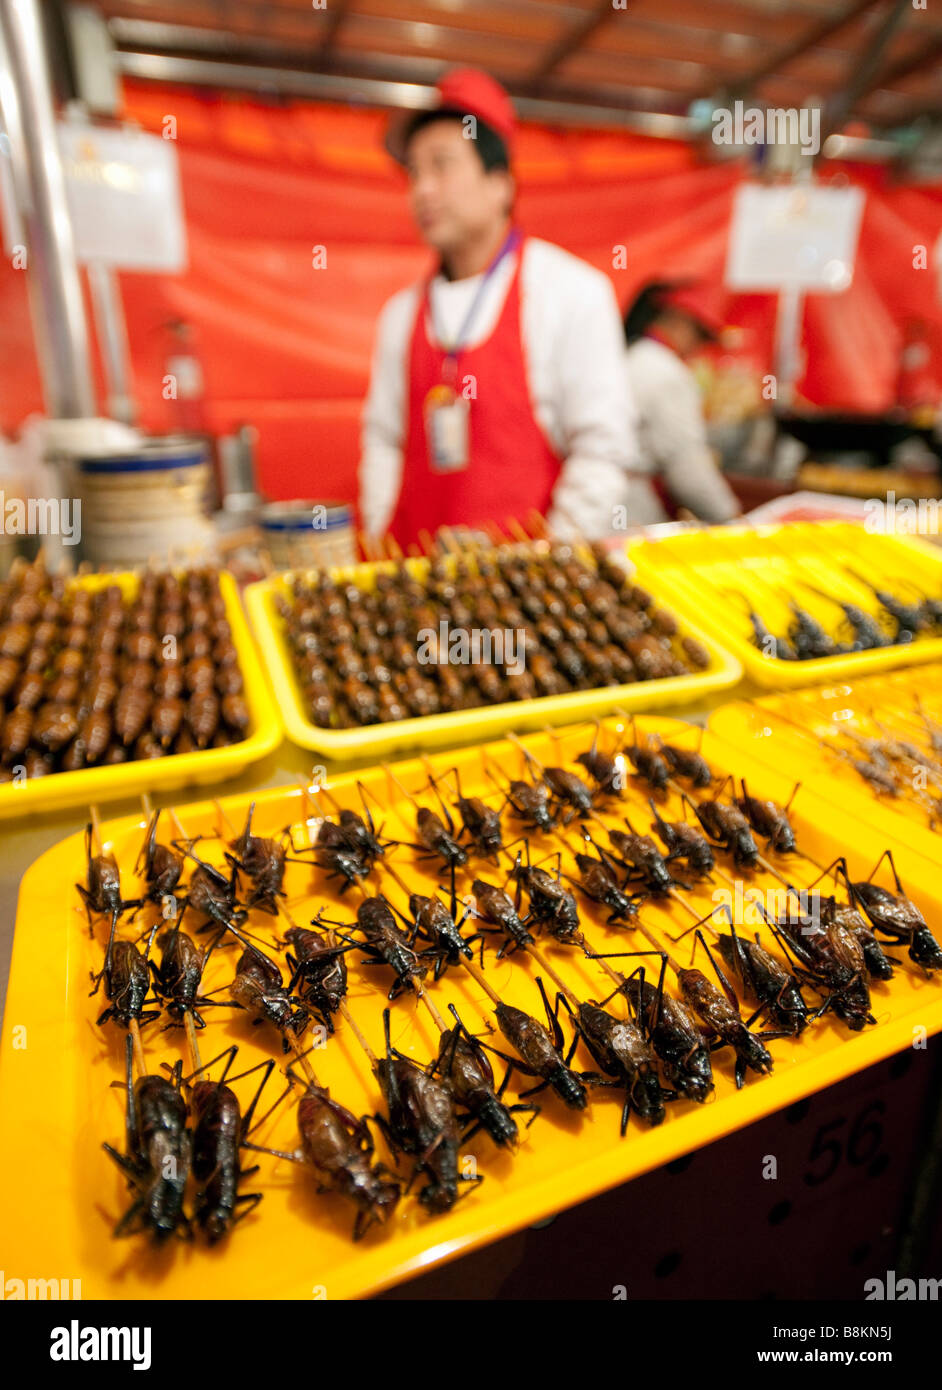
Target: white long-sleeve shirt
point(672, 432)
point(574, 352)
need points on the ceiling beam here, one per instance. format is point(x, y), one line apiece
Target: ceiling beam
point(337, 13)
point(569, 44)
point(863, 71)
point(920, 61)
point(812, 37)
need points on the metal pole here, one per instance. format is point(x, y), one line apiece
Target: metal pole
point(112, 333)
point(56, 292)
point(791, 303)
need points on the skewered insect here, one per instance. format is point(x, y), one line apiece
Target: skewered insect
point(641, 856)
point(648, 763)
point(339, 1148)
point(464, 1066)
point(674, 1033)
point(385, 944)
point(102, 890)
point(219, 1131)
point(496, 907)
point(156, 1160)
point(480, 821)
point(831, 957)
point(718, 1011)
point(687, 763)
point(212, 894)
point(727, 826)
point(163, 866)
point(768, 819)
point(318, 971)
point(362, 835)
point(897, 916)
point(259, 988)
point(625, 1056)
point(127, 982)
point(337, 856)
point(541, 1050)
point(422, 1124)
point(599, 882)
point(529, 803)
point(552, 905)
point(607, 771)
point(178, 977)
point(441, 927)
point(263, 859)
point(684, 841)
point(775, 991)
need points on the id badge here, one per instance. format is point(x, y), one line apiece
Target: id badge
point(447, 430)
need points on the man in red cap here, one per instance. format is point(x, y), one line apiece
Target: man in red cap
point(497, 384)
point(666, 324)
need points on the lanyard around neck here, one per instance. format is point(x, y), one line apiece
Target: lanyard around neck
point(452, 349)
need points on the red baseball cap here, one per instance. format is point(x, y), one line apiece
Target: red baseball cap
point(469, 91)
point(700, 300)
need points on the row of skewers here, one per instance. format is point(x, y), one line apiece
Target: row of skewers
point(90, 677)
point(656, 1050)
point(904, 614)
point(893, 742)
point(578, 623)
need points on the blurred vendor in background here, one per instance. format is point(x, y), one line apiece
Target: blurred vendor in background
point(665, 326)
point(497, 384)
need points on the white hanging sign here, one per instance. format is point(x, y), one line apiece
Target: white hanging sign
point(797, 236)
point(123, 189)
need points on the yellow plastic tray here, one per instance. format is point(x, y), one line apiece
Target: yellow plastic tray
point(693, 570)
point(764, 729)
point(462, 726)
point(97, 784)
point(60, 1195)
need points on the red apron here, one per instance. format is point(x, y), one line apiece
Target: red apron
point(511, 466)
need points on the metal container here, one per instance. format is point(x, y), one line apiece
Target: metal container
point(306, 534)
point(149, 502)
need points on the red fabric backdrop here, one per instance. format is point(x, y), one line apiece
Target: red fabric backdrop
point(286, 346)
